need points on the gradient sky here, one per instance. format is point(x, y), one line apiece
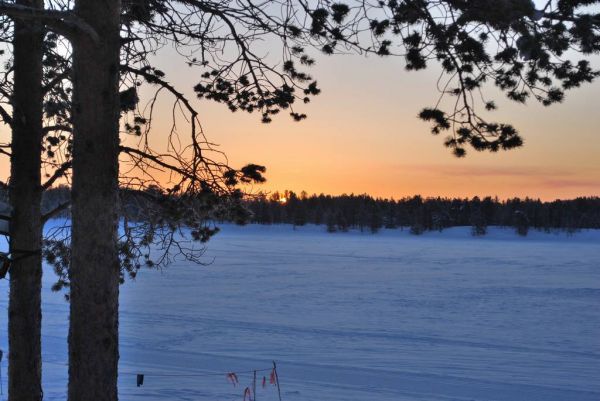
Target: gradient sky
point(362, 136)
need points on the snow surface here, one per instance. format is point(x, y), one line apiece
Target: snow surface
point(357, 317)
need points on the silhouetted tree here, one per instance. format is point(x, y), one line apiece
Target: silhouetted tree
point(439, 212)
point(331, 223)
point(521, 222)
point(375, 220)
point(25, 192)
point(478, 222)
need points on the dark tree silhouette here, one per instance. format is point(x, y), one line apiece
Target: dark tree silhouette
point(478, 222)
point(200, 185)
point(426, 214)
point(24, 331)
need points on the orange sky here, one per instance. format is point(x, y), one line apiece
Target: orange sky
point(362, 136)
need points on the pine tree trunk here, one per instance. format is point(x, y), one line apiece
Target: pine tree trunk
point(94, 270)
point(24, 309)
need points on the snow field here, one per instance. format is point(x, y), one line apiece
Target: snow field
point(351, 316)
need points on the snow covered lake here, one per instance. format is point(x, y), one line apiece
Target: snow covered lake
point(357, 317)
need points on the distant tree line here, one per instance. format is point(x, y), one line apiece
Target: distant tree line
point(418, 214)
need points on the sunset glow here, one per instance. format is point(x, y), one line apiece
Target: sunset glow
point(364, 137)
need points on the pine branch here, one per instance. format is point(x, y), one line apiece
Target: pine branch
point(57, 174)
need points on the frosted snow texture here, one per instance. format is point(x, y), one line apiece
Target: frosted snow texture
point(357, 317)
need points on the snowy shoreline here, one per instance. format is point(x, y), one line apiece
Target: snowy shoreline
point(457, 232)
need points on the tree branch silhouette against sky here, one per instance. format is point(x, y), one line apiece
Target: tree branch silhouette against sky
point(362, 134)
point(365, 137)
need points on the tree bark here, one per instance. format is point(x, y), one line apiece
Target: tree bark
point(94, 270)
point(24, 309)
